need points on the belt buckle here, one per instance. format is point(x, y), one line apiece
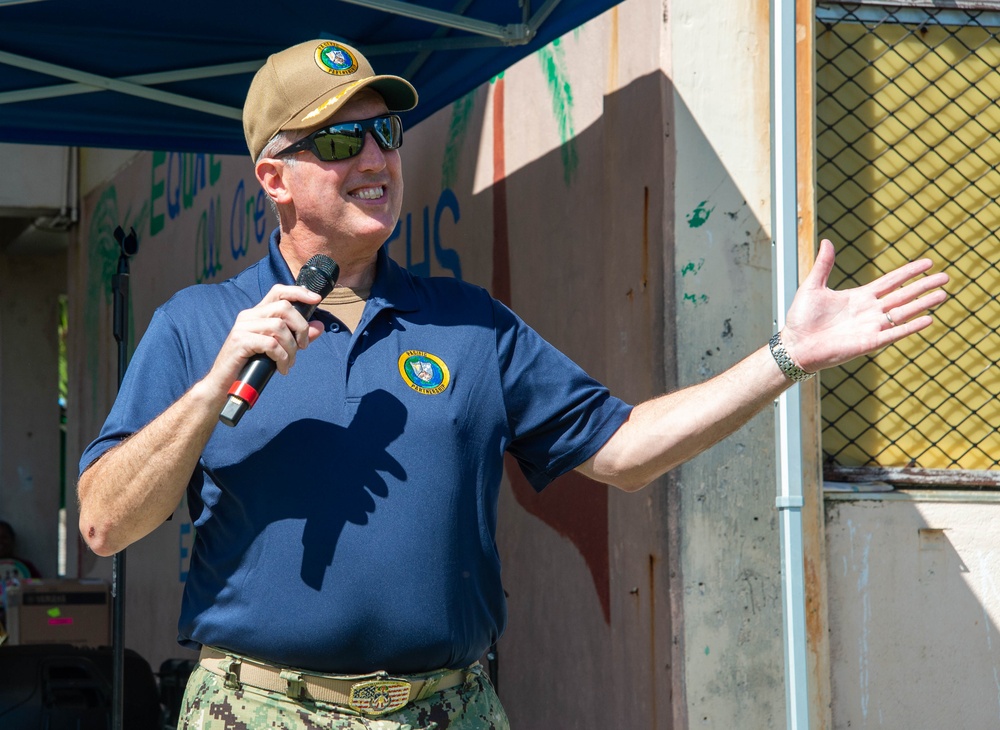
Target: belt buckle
point(379, 696)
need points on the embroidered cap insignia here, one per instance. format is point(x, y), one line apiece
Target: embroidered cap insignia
point(335, 59)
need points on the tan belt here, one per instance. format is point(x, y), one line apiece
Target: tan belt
point(371, 694)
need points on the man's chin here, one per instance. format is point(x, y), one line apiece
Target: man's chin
point(377, 226)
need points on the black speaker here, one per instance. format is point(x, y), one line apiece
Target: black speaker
point(60, 687)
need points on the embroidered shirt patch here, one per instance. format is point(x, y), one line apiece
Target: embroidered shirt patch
point(423, 372)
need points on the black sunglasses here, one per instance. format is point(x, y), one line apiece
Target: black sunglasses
point(345, 140)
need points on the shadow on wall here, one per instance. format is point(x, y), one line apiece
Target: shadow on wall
point(593, 266)
point(913, 598)
point(579, 252)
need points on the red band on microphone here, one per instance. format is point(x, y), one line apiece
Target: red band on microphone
point(245, 391)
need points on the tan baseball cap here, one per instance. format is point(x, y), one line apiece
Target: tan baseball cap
point(301, 87)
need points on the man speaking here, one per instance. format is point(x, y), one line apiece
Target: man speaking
point(344, 572)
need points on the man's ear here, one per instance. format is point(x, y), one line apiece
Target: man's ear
point(270, 174)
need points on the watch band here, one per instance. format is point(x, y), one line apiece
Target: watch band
point(790, 369)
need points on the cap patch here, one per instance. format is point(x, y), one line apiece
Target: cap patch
point(423, 372)
point(335, 59)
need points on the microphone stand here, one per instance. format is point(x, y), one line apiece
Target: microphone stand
point(128, 246)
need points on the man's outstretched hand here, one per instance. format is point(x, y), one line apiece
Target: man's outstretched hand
point(825, 328)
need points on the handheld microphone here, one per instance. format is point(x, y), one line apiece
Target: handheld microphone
point(319, 274)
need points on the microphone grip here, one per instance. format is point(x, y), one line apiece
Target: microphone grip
point(247, 388)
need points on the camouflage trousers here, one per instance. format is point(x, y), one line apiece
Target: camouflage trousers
point(210, 705)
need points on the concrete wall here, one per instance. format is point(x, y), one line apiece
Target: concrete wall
point(729, 590)
point(42, 188)
point(32, 278)
point(29, 403)
point(914, 602)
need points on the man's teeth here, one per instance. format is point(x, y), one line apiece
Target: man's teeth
point(369, 193)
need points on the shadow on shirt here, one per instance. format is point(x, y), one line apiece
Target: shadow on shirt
point(334, 475)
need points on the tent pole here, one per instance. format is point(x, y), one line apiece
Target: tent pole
point(788, 414)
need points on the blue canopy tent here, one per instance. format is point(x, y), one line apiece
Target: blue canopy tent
point(173, 76)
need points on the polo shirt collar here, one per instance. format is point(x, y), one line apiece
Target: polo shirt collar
point(392, 288)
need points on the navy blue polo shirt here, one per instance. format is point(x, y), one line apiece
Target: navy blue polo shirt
point(348, 522)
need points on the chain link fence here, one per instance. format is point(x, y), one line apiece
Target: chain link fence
point(907, 167)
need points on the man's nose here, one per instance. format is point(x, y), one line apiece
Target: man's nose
point(371, 155)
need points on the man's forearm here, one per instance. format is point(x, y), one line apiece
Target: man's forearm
point(135, 486)
point(666, 431)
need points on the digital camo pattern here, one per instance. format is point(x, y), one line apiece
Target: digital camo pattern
point(209, 705)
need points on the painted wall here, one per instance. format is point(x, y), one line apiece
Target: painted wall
point(196, 222)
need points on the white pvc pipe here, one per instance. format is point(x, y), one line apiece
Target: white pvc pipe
point(784, 226)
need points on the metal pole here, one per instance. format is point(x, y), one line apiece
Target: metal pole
point(784, 225)
point(119, 287)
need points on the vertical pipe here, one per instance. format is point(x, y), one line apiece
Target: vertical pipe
point(784, 227)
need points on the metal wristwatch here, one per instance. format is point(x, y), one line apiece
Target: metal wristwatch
point(790, 369)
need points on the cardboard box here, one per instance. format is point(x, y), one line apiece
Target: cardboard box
point(76, 612)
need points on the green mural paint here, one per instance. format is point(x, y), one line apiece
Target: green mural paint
point(699, 215)
point(696, 299)
point(214, 170)
point(193, 178)
point(553, 60)
point(461, 116)
point(102, 263)
point(692, 267)
point(157, 193)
